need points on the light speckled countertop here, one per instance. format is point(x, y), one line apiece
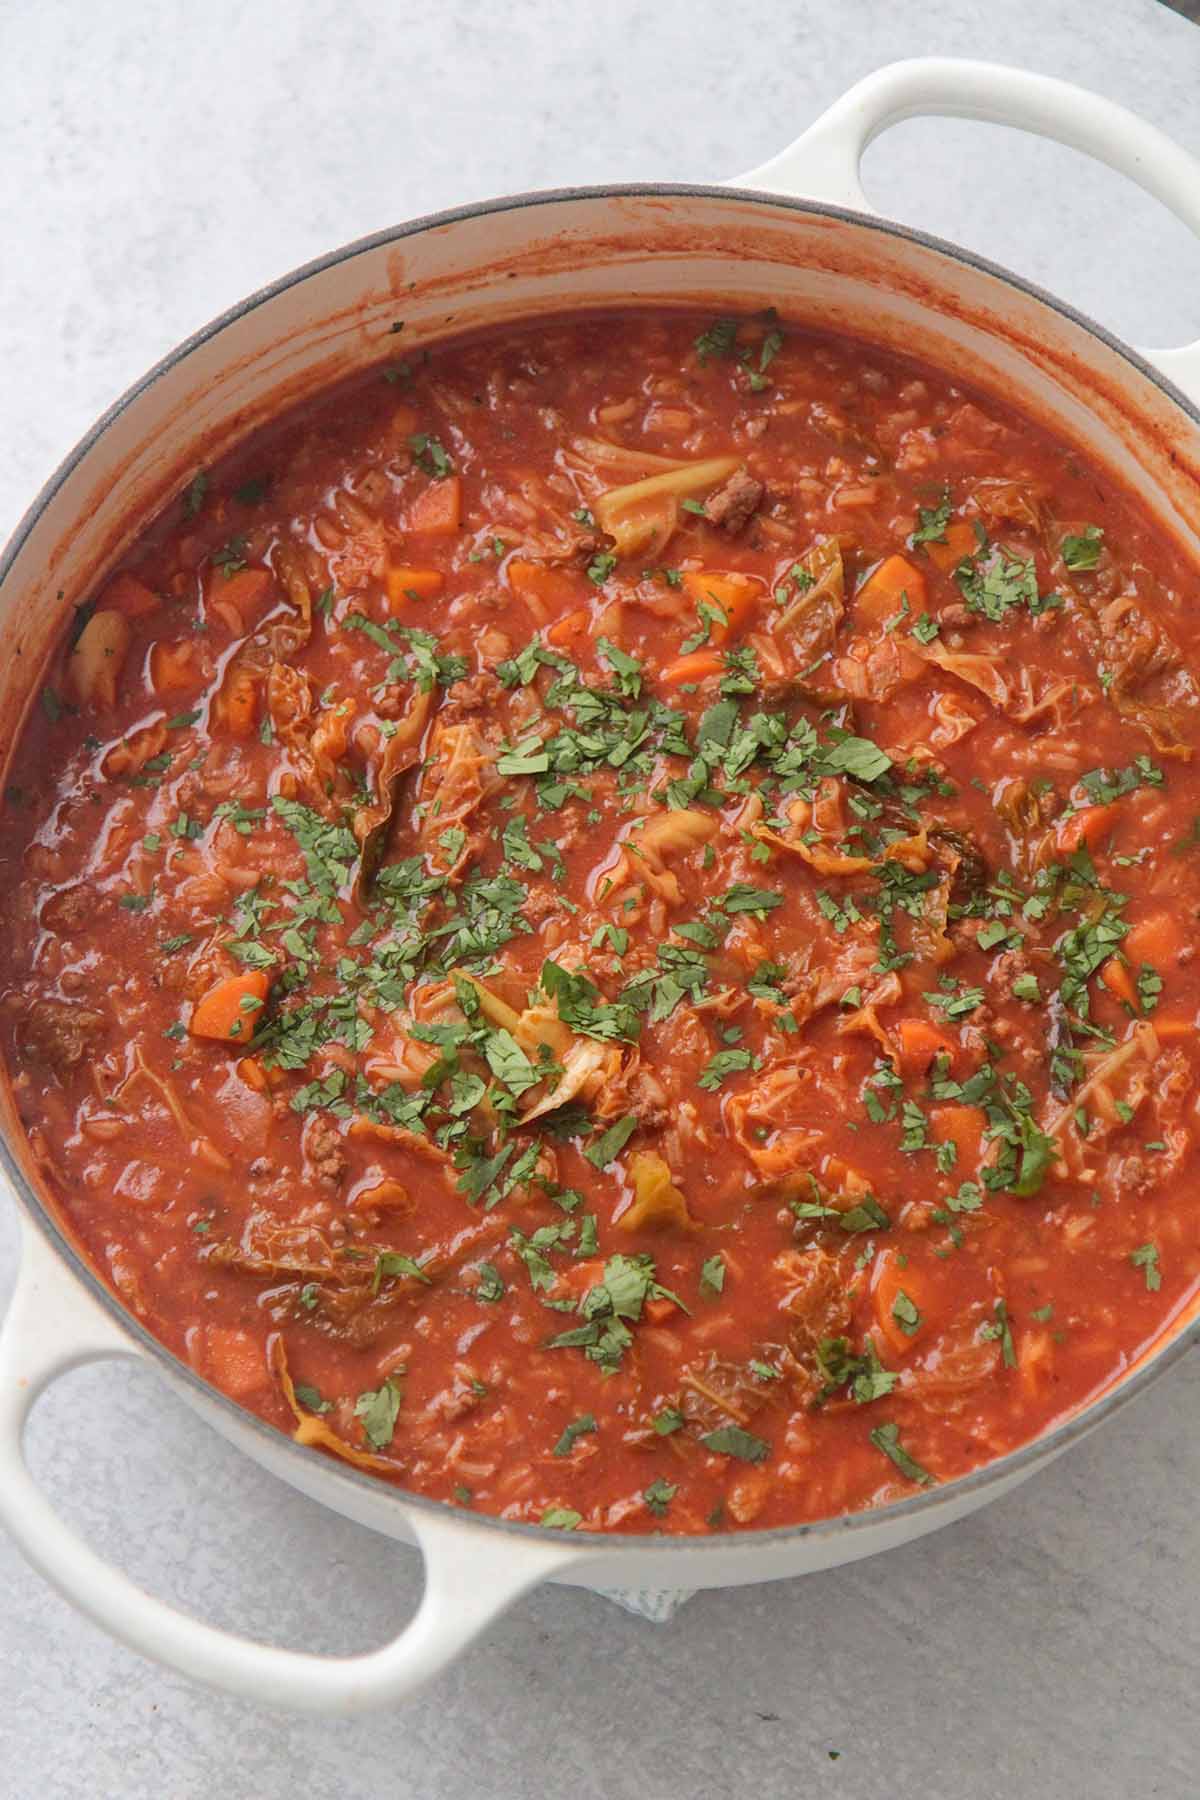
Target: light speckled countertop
point(158, 162)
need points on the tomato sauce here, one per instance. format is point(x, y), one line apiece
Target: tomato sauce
point(601, 923)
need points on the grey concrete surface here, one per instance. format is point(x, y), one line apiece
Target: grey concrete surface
point(156, 162)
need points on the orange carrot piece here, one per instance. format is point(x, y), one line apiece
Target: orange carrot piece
point(1086, 826)
point(919, 1043)
point(696, 667)
point(437, 509)
point(542, 588)
point(572, 625)
point(1119, 982)
point(1173, 1030)
point(890, 1282)
point(171, 666)
point(126, 594)
point(403, 584)
point(236, 1362)
point(657, 1310)
point(960, 542)
point(229, 1010)
point(1155, 940)
point(961, 1126)
point(251, 1071)
point(736, 595)
point(879, 597)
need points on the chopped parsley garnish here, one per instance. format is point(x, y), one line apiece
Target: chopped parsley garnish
point(720, 339)
point(611, 1142)
point(1084, 550)
point(864, 1374)
point(732, 1440)
point(430, 454)
point(905, 1313)
point(1145, 1258)
point(712, 1274)
point(378, 1409)
point(723, 1063)
point(490, 1286)
point(887, 1439)
point(659, 1495)
point(932, 522)
point(577, 1428)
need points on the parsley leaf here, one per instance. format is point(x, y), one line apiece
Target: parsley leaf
point(611, 1142)
point(390, 1262)
point(731, 1440)
point(1145, 1258)
point(379, 1409)
point(576, 1429)
point(887, 1439)
point(430, 454)
point(1085, 550)
point(720, 339)
point(712, 1274)
point(561, 1518)
point(659, 1495)
point(491, 1283)
point(932, 522)
point(718, 1066)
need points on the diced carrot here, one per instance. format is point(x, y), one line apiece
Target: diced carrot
point(404, 420)
point(1086, 826)
point(544, 590)
point(126, 594)
point(960, 542)
point(879, 598)
point(657, 1310)
point(235, 1361)
point(961, 1126)
point(1172, 1030)
point(1155, 940)
point(404, 583)
point(251, 1071)
point(384, 1196)
point(572, 625)
point(236, 705)
point(890, 1281)
point(919, 1043)
point(229, 1010)
point(171, 666)
point(696, 667)
point(243, 593)
point(736, 595)
point(437, 509)
point(1119, 982)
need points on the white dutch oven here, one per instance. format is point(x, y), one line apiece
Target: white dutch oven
point(797, 234)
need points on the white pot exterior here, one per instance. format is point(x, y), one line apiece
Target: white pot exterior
point(722, 250)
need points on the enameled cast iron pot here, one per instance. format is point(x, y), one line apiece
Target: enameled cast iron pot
point(797, 234)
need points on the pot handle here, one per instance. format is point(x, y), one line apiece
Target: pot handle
point(824, 162)
point(471, 1575)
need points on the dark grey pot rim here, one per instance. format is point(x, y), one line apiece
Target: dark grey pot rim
point(920, 1506)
